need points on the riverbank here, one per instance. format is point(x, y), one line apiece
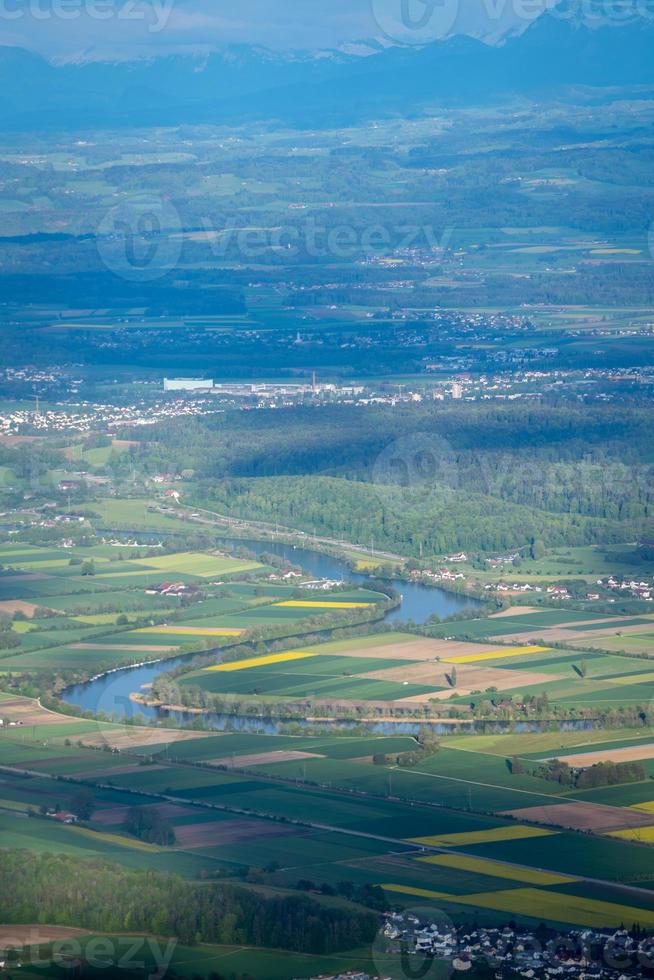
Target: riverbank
point(110, 693)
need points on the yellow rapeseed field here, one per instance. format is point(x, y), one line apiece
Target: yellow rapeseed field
point(317, 604)
point(497, 869)
point(503, 653)
point(494, 834)
point(135, 845)
point(541, 904)
point(645, 835)
point(271, 658)
point(648, 807)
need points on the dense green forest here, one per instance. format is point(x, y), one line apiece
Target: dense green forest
point(424, 479)
point(96, 895)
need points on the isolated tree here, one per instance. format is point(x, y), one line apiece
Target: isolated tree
point(83, 804)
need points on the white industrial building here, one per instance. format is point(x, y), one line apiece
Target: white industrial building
point(188, 384)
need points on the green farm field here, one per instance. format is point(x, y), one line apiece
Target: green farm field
point(91, 610)
point(207, 838)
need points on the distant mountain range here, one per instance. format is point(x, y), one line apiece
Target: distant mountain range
point(330, 88)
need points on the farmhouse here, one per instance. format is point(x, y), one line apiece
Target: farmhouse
point(321, 584)
point(172, 588)
point(63, 817)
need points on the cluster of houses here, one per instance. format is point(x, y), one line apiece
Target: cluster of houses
point(558, 592)
point(322, 584)
point(50, 522)
point(160, 478)
point(640, 590)
point(348, 975)
point(503, 560)
point(510, 951)
point(87, 417)
point(553, 591)
point(285, 575)
point(173, 588)
point(440, 575)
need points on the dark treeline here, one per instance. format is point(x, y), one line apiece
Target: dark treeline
point(601, 774)
point(96, 895)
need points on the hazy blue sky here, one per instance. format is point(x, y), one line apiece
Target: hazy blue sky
point(97, 28)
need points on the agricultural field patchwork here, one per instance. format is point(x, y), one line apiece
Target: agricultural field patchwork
point(526, 848)
point(411, 670)
point(541, 905)
point(99, 607)
point(461, 859)
point(505, 833)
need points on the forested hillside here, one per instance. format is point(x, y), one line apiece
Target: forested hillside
point(428, 478)
point(97, 895)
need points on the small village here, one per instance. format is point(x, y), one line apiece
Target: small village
point(504, 952)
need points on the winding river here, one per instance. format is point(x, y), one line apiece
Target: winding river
point(110, 692)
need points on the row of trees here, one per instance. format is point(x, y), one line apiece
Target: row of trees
point(601, 774)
